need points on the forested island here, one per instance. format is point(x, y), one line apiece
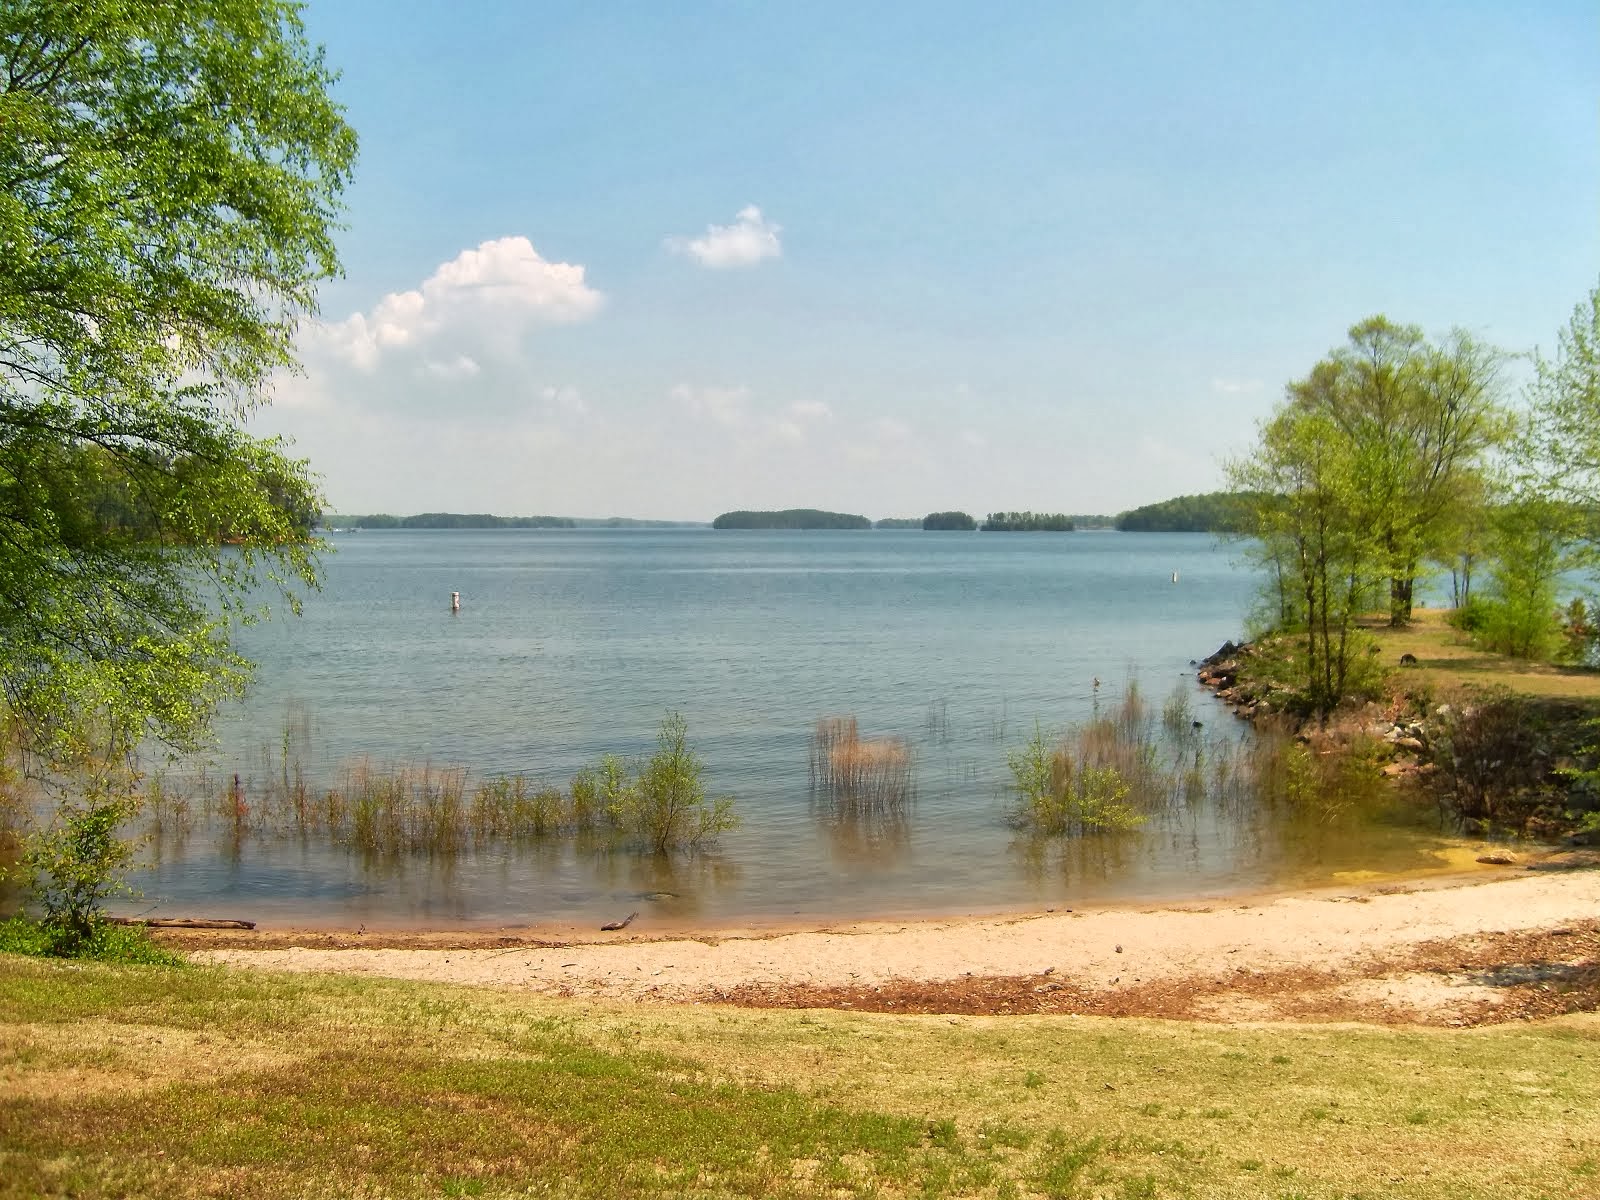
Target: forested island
point(959, 521)
point(898, 523)
point(1027, 522)
point(1211, 512)
point(447, 521)
point(790, 518)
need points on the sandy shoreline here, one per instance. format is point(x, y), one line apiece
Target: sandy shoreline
point(1345, 936)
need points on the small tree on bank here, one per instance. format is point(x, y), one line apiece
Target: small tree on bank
point(1360, 476)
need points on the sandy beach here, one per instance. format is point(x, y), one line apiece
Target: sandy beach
point(1510, 943)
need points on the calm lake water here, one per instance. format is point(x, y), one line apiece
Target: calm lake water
point(569, 645)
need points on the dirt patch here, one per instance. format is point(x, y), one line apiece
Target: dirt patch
point(336, 939)
point(1476, 980)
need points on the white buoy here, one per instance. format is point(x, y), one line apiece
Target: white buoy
point(1174, 577)
point(455, 602)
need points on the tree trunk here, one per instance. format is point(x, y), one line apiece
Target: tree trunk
point(1400, 599)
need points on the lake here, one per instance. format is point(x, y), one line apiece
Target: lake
point(572, 644)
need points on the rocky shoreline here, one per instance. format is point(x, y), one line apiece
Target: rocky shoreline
point(1504, 763)
point(1408, 733)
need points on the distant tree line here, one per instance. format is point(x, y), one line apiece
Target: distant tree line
point(1212, 512)
point(959, 521)
point(1027, 522)
point(1092, 520)
point(451, 521)
point(898, 523)
point(790, 518)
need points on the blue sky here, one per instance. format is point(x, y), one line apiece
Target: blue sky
point(663, 260)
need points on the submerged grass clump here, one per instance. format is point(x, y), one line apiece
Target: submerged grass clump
point(850, 772)
point(658, 804)
point(1061, 792)
point(1123, 767)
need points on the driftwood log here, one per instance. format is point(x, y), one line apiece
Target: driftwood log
point(623, 924)
point(183, 922)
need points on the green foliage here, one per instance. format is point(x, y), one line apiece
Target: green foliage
point(1212, 512)
point(171, 175)
point(665, 808)
point(790, 518)
point(1530, 539)
point(1027, 522)
point(1058, 795)
point(105, 942)
point(954, 520)
point(1360, 476)
point(897, 523)
point(71, 867)
point(1563, 447)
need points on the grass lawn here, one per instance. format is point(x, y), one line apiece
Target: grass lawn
point(1447, 660)
point(120, 1081)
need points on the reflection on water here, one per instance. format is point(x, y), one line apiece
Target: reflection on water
point(949, 648)
point(1224, 811)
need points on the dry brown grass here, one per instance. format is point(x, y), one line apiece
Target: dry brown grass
point(856, 773)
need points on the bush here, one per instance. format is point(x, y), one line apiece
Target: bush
point(106, 942)
point(1471, 617)
point(665, 808)
point(1579, 633)
point(1494, 760)
point(71, 868)
point(1060, 796)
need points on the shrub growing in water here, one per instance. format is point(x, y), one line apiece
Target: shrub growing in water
point(665, 808)
point(1061, 796)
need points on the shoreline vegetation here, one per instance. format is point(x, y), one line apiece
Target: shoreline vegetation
point(1502, 745)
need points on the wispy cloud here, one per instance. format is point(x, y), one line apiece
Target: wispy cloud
point(725, 406)
point(1235, 387)
point(750, 239)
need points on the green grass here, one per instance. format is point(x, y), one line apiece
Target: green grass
point(1446, 660)
point(118, 1080)
point(107, 943)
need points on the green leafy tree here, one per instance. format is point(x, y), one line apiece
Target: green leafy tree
point(947, 521)
point(1531, 537)
point(1420, 419)
point(1308, 522)
point(1563, 450)
point(170, 181)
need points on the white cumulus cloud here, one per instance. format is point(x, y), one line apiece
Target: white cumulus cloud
point(750, 239)
point(492, 295)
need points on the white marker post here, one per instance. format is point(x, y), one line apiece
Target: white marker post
point(455, 602)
